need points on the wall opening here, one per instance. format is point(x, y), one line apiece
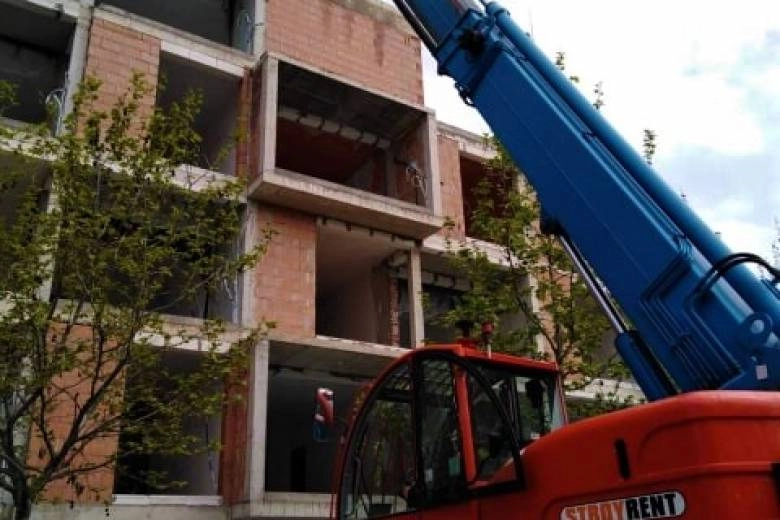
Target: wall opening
point(472, 173)
point(197, 474)
point(217, 121)
point(337, 133)
point(34, 57)
point(23, 184)
point(295, 462)
point(175, 297)
point(227, 22)
point(355, 292)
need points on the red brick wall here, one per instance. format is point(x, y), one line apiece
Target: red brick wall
point(285, 276)
point(97, 485)
point(114, 54)
point(451, 191)
point(347, 43)
point(234, 458)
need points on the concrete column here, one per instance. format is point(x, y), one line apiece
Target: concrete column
point(414, 288)
point(431, 157)
point(78, 56)
point(270, 103)
point(249, 239)
point(258, 44)
point(258, 411)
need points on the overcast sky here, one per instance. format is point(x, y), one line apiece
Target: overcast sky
point(703, 74)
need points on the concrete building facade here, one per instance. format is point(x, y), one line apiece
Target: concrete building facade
point(344, 162)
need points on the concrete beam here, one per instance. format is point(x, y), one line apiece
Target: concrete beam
point(330, 199)
point(470, 145)
point(200, 46)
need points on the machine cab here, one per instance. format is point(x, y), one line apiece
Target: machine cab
point(445, 426)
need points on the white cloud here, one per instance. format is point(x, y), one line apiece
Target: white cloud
point(679, 68)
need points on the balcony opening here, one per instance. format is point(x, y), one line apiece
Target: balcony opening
point(472, 174)
point(295, 462)
point(22, 185)
point(354, 286)
point(227, 22)
point(195, 474)
point(174, 297)
point(216, 123)
point(34, 57)
point(340, 134)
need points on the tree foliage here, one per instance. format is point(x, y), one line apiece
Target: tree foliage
point(537, 281)
point(100, 240)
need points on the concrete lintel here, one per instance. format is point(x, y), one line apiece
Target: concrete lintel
point(439, 245)
point(67, 8)
point(326, 354)
point(470, 144)
point(321, 197)
point(202, 58)
point(166, 33)
point(194, 178)
point(396, 241)
point(316, 70)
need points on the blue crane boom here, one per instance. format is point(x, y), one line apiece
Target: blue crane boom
point(701, 319)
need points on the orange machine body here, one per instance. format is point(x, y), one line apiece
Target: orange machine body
point(701, 455)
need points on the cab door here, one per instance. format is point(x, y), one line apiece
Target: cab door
point(446, 458)
point(468, 449)
point(380, 466)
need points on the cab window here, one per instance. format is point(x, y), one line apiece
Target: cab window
point(530, 402)
point(443, 473)
point(381, 459)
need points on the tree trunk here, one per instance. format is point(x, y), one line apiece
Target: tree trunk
point(22, 502)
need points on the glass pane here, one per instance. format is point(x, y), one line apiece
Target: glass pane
point(529, 400)
point(381, 458)
point(443, 474)
point(492, 439)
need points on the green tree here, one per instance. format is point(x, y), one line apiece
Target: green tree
point(100, 240)
point(535, 268)
point(536, 280)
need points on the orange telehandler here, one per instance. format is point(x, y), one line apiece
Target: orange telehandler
point(452, 432)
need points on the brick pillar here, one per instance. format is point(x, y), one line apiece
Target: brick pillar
point(114, 54)
point(451, 188)
point(285, 288)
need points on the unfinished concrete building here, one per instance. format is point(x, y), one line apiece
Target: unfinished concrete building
point(344, 161)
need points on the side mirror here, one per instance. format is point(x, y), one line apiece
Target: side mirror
point(535, 392)
point(323, 415)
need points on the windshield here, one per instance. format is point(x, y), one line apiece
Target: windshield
point(531, 403)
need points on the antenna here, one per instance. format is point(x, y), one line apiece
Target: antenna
point(776, 245)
